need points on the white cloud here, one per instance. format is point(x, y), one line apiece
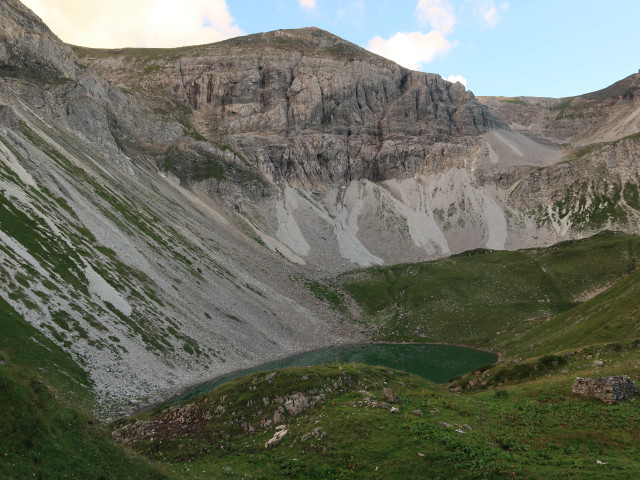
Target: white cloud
point(437, 13)
point(137, 23)
point(488, 12)
point(457, 78)
point(308, 4)
point(410, 50)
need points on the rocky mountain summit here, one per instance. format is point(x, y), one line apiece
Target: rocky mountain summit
point(307, 107)
point(164, 211)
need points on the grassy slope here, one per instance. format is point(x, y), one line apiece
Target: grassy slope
point(471, 297)
point(25, 345)
point(41, 437)
point(519, 433)
point(612, 316)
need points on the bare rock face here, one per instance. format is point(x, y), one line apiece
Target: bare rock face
point(309, 108)
point(608, 389)
point(602, 116)
point(27, 44)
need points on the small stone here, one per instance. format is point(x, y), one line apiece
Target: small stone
point(394, 410)
point(278, 416)
point(315, 433)
point(598, 363)
point(389, 395)
point(418, 413)
point(277, 438)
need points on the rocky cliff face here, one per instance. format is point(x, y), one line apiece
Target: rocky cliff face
point(309, 108)
point(27, 45)
point(602, 116)
point(145, 285)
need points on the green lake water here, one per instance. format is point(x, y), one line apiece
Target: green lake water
point(437, 363)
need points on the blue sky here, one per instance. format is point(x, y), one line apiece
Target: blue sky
point(498, 47)
point(535, 47)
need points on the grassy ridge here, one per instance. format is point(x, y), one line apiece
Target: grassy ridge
point(531, 430)
point(42, 438)
point(471, 297)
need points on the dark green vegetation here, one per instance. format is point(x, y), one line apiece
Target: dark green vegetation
point(485, 297)
point(437, 363)
point(612, 316)
point(517, 419)
point(527, 430)
point(324, 292)
point(193, 166)
point(517, 101)
point(513, 420)
point(41, 437)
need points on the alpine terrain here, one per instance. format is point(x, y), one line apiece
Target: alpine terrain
point(171, 215)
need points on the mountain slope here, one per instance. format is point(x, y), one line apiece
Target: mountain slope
point(602, 116)
point(375, 164)
point(520, 431)
point(489, 298)
point(610, 317)
point(146, 286)
point(305, 106)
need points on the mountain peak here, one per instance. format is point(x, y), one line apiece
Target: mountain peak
point(26, 43)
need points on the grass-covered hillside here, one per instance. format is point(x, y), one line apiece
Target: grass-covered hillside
point(339, 424)
point(612, 316)
point(44, 437)
point(488, 297)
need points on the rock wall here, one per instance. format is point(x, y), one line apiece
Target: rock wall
point(608, 389)
point(309, 108)
point(27, 44)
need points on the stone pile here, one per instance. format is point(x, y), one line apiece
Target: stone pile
point(608, 389)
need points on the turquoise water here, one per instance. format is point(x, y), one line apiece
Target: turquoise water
point(437, 363)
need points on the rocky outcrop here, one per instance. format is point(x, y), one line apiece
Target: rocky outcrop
point(602, 116)
point(161, 189)
point(608, 389)
point(27, 46)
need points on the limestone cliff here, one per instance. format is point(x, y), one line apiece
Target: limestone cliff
point(28, 47)
point(309, 108)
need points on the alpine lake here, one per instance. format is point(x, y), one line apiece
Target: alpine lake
point(435, 362)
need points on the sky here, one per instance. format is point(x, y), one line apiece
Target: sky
point(551, 48)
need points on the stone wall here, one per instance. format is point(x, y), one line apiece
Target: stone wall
point(608, 389)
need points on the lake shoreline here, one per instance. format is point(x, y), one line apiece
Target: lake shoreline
point(183, 392)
